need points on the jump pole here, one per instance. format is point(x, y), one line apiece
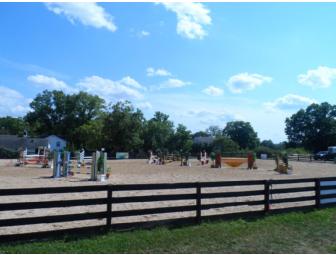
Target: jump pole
point(94, 165)
point(66, 164)
point(57, 164)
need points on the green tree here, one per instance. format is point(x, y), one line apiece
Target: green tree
point(224, 144)
point(47, 113)
point(200, 134)
point(265, 150)
point(267, 143)
point(214, 131)
point(158, 132)
point(54, 112)
point(242, 133)
point(181, 140)
point(12, 126)
point(91, 135)
point(83, 109)
point(123, 128)
point(313, 128)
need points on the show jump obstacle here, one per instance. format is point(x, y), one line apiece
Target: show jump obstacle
point(282, 166)
point(63, 166)
point(217, 160)
point(203, 158)
point(234, 162)
point(40, 159)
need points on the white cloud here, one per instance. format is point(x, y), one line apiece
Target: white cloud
point(110, 90)
point(212, 117)
point(143, 33)
point(144, 105)
point(124, 89)
point(321, 77)
point(213, 91)
point(289, 102)
point(48, 82)
point(89, 14)
point(174, 83)
point(12, 102)
point(244, 81)
point(131, 82)
point(191, 17)
point(157, 72)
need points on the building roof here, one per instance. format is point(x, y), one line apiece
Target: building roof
point(60, 138)
point(203, 139)
point(14, 142)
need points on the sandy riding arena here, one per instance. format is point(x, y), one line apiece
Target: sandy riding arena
point(138, 171)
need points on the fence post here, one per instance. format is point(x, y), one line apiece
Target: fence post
point(298, 157)
point(198, 203)
point(267, 196)
point(317, 193)
point(109, 207)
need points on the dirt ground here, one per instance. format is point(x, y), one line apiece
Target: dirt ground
point(138, 171)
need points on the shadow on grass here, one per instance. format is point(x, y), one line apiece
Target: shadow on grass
point(171, 224)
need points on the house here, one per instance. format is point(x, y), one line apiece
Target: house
point(203, 140)
point(31, 144)
point(56, 142)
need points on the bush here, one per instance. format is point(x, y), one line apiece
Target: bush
point(224, 144)
point(7, 154)
point(298, 150)
point(265, 150)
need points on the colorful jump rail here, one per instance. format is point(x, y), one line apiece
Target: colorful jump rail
point(321, 193)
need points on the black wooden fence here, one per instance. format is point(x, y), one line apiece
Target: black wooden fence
point(301, 157)
point(308, 158)
point(321, 193)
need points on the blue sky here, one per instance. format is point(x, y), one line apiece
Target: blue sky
point(202, 63)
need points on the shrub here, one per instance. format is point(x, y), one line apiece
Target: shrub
point(265, 150)
point(298, 150)
point(224, 144)
point(8, 154)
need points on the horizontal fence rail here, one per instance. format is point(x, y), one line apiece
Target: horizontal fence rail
point(195, 198)
point(307, 158)
point(301, 157)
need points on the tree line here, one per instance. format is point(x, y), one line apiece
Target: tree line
point(86, 121)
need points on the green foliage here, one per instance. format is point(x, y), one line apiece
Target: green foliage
point(181, 139)
point(298, 150)
point(12, 126)
point(223, 144)
point(214, 131)
point(200, 134)
point(82, 120)
point(91, 134)
point(267, 143)
point(158, 132)
point(242, 133)
point(54, 112)
point(294, 233)
point(7, 154)
point(265, 150)
point(123, 128)
point(85, 122)
point(100, 164)
point(313, 128)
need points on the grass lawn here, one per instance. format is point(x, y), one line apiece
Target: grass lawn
point(313, 232)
